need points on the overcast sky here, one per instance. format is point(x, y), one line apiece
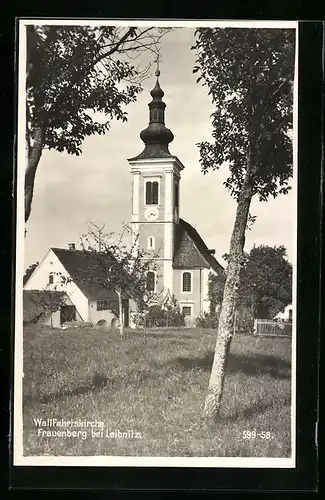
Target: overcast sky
point(96, 186)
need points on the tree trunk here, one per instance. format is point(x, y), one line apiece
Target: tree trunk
point(120, 307)
point(33, 161)
point(225, 325)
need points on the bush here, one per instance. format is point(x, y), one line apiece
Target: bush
point(244, 321)
point(159, 315)
point(207, 320)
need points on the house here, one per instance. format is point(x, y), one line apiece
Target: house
point(73, 271)
point(51, 308)
point(286, 314)
point(181, 260)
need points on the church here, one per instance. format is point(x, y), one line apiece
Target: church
point(182, 259)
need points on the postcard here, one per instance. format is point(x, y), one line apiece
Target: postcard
point(155, 320)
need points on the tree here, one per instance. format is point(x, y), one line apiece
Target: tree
point(249, 74)
point(73, 73)
point(114, 266)
point(266, 281)
point(265, 285)
point(29, 271)
point(46, 302)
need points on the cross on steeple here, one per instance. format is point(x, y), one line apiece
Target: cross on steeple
point(157, 61)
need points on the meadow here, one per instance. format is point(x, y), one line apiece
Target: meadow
point(155, 390)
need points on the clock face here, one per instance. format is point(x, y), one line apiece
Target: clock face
point(151, 213)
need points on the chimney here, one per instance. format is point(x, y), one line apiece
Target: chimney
point(72, 246)
point(212, 252)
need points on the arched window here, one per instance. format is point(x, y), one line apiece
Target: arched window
point(51, 279)
point(151, 281)
point(151, 243)
point(152, 193)
point(187, 282)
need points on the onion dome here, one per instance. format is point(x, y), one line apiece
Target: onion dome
point(156, 136)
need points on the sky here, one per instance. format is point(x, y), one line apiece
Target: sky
point(71, 190)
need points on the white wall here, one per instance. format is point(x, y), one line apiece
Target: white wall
point(95, 316)
point(39, 280)
point(285, 314)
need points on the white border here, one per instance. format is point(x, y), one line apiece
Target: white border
point(176, 23)
point(104, 461)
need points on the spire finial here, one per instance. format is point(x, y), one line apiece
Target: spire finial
point(156, 136)
point(157, 60)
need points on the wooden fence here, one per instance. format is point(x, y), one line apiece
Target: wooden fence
point(271, 328)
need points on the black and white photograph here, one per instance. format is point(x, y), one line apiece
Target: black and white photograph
point(155, 317)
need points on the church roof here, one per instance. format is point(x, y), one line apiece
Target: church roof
point(86, 273)
point(190, 251)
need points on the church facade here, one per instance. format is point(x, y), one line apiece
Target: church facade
point(182, 259)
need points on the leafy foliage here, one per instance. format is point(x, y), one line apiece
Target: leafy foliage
point(249, 73)
point(207, 320)
point(72, 70)
point(216, 285)
point(29, 271)
point(265, 282)
point(45, 303)
point(164, 315)
point(74, 74)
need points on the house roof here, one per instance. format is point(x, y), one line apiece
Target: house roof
point(86, 272)
point(36, 303)
point(190, 251)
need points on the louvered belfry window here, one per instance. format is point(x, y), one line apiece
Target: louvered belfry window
point(152, 193)
point(187, 282)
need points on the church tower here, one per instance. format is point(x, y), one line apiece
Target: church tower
point(155, 193)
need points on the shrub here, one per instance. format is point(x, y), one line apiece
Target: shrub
point(207, 320)
point(159, 315)
point(244, 321)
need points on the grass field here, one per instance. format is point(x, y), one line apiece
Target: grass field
point(155, 389)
